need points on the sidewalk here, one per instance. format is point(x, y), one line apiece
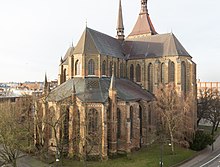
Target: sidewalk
point(27, 161)
point(203, 154)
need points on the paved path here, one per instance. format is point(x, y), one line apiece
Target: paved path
point(205, 156)
point(28, 161)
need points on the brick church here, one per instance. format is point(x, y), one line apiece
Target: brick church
point(106, 85)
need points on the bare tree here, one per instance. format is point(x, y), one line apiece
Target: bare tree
point(174, 116)
point(51, 124)
point(56, 123)
point(209, 107)
point(213, 114)
point(56, 126)
point(14, 130)
point(205, 103)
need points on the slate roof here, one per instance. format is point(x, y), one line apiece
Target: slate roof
point(97, 89)
point(140, 47)
point(154, 46)
point(68, 53)
point(94, 42)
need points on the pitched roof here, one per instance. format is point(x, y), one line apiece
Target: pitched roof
point(68, 53)
point(154, 46)
point(143, 26)
point(94, 42)
point(96, 90)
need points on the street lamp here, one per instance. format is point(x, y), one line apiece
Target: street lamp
point(161, 154)
point(212, 142)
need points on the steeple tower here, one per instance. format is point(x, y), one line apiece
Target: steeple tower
point(120, 25)
point(45, 82)
point(143, 26)
point(46, 85)
point(144, 6)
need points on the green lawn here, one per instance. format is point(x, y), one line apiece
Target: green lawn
point(147, 157)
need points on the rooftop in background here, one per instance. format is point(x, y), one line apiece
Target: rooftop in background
point(213, 86)
point(14, 89)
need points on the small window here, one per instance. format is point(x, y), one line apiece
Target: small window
point(132, 72)
point(121, 70)
point(150, 77)
point(118, 123)
point(162, 74)
point(92, 118)
point(77, 68)
point(91, 67)
point(110, 69)
point(138, 73)
point(115, 69)
point(64, 75)
point(104, 68)
point(172, 72)
point(183, 77)
point(131, 122)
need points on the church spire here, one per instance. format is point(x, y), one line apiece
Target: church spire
point(120, 25)
point(144, 6)
point(45, 82)
point(143, 26)
point(46, 85)
point(73, 93)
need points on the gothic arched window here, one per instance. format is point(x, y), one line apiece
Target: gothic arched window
point(77, 68)
point(64, 75)
point(92, 118)
point(131, 122)
point(104, 67)
point(162, 74)
point(132, 72)
point(150, 77)
point(91, 67)
point(172, 72)
point(72, 68)
point(141, 120)
point(110, 69)
point(138, 73)
point(66, 126)
point(121, 70)
point(149, 117)
point(77, 122)
point(118, 123)
point(183, 77)
point(115, 69)
point(51, 120)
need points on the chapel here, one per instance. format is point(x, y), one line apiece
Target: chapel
point(106, 86)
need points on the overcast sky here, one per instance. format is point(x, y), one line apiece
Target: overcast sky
point(34, 34)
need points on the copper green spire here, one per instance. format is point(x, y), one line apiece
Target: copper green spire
point(120, 25)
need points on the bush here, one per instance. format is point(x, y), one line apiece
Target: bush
point(201, 140)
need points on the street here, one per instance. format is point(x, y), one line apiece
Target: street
point(207, 158)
